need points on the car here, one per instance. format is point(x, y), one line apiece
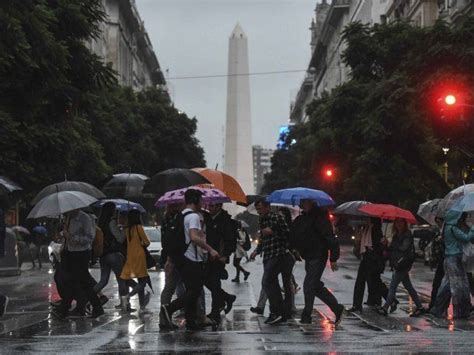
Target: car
point(154, 234)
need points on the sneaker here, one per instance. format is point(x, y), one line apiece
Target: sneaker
point(275, 319)
point(418, 312)
point(167, 314)
point(229, 302)
point(129, 309)
point(103, 300)
point(305, 319)
point(76, 313)
point(382, 311)
point(354, 309)
point(118, 306)
point(394, 306)
point(97, 312)
point(256, 310)
point(235, 280)
point(3, 305)
point(246, 275)
point(339, 315)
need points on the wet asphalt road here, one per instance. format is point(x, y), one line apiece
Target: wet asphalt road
point(28, 328)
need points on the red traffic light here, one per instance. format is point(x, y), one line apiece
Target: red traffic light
point(329, 173)
point(450, 100)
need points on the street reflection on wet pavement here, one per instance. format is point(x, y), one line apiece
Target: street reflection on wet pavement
point(28, 328)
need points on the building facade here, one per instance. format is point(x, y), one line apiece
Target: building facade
point(125, 45)
point(262, 164)
point(326, 69)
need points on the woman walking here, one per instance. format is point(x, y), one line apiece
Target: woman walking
point(240, 253)
point(402, 256)
point(113, 252)
point(455, 284)
point(135, 264)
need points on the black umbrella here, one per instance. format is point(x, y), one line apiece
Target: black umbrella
point(125, 185)
point(68, 186)
point(173, 179)
point(351, 208)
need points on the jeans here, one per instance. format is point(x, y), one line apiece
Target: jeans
point(314, 287)
point(173, 283)
point(111, 262)
point(283, 265)
point(262, 299)
point(76, 264)
point(455, 288)
point(403, 277)
point(192, 274)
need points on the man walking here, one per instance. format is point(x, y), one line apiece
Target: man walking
point(191, 264)
point(274, 244)
point(313, 237)
point(78, 233)
point(221, 234)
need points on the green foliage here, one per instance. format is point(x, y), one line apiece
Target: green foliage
point(61, 110)
point(382, 129)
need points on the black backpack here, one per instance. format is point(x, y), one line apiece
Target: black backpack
point(174, 238)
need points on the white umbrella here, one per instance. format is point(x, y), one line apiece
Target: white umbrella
point(61, 202)
point(295, 210)
point(428, 210)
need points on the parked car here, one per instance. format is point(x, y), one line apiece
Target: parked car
point(423, 235)
point(154, 234)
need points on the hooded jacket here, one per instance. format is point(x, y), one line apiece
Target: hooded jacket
point(312, 235)
point(221, 232)
point(455, 237)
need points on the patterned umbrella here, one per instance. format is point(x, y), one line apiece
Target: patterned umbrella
point(177, 196)
point(451, 198)
point(428, 210)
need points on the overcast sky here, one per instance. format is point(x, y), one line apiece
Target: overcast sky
point(190, 37)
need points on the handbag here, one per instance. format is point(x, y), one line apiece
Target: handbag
point(150, 261)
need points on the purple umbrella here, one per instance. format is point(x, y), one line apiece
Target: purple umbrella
point(177, 196)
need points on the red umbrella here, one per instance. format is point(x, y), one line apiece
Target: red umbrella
point(388, 212)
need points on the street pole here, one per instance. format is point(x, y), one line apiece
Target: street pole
point(445, 151)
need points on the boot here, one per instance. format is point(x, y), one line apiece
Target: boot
point(125, 304)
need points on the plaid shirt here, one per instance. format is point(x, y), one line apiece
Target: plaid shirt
point(277, 243)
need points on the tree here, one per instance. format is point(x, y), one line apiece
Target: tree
point(380, 129)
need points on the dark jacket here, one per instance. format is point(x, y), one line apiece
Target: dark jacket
point(169, 226)
point(221, 232)
point(400, 246)
point(313, 237)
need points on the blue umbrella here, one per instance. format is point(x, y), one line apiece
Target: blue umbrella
point(464, 204)
point(40, 230)
point(294, 195)
point(121, 205)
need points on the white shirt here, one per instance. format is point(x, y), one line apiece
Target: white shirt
point(193, 221)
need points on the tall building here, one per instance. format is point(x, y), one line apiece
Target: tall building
point(262, 164)
point(125, 45)
point(326, 69)
point(238, 137)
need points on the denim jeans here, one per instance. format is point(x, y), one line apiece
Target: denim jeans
point(111, 262)
point(314, 287)
point(283, 265)
point(403, 277)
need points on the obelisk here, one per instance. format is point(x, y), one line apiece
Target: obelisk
point(238, 161)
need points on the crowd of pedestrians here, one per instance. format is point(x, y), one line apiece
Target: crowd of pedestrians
point(198, 242)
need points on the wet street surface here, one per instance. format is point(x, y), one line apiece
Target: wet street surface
point(28, 328)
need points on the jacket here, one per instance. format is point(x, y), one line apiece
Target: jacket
point(400, 246)
point(454, 237)
point(313, 237)
point(221, 232)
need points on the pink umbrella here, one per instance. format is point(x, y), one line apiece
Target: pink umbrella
point(210, 195)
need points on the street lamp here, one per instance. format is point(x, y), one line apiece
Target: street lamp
point(445, 151)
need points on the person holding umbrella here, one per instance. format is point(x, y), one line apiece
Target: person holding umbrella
point(402, 257)
point(135, 264)
point(455, 284)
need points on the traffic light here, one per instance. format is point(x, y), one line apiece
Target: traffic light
point(450, 100)
point(328, 173)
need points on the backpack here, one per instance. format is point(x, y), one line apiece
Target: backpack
point(174, 239)
point(98, 243)
point(247, 244)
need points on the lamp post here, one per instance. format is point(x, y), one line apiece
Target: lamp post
point(445, 151)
